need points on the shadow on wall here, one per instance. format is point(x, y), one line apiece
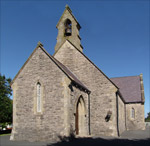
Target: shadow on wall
point(102, 142)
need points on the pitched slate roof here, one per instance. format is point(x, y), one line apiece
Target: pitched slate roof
point(60, 65)
point(70, 74)
point(130, 88)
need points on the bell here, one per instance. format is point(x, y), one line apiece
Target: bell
point(68, 30)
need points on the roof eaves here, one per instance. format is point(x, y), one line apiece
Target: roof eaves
point(75, 79)
point(83, 87)
point(134, 102)
point(121, 96)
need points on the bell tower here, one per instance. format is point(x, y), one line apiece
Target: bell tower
point(68, 29)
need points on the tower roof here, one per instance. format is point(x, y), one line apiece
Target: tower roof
point(67, 9)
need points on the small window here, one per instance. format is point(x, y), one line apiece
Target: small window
point(133, 113)
point(38, 97)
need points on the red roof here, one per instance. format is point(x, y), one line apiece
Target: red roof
point(129, 87)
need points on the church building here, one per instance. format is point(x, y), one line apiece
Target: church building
point(67, 94)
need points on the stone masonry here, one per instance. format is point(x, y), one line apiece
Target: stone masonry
point(58, 100)
point(74, 96)
point(138, 122)
point(103, 92)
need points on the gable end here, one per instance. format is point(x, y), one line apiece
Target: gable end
point(87, 59)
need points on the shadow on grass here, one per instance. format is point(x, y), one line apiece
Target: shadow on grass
point(102, 142)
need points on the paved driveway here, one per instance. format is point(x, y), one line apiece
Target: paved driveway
point(128, 138)
point(4, 141)
point(138, 134)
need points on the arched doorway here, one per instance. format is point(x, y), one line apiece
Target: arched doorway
point(80, 119)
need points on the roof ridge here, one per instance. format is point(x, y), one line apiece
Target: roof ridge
point(124, 76)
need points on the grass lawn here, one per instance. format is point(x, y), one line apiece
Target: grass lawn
point(5, 134)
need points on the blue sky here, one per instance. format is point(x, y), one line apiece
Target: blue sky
point(115, 34)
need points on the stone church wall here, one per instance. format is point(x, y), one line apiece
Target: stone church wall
point(27, 123)
point(103, 92)
point(74, 97)
point(71, 96)
point(136, 123)
point(121, 114)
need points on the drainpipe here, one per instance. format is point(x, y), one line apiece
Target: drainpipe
point(89, 113)
point(117, 105)
point(125, 116)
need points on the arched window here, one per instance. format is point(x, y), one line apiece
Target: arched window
point(38, 97)
point(133, 113)
point(68, 27)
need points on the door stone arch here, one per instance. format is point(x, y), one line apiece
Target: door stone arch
point(80, 118)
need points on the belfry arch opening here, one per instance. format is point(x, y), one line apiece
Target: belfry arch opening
point(80, 119)
point(68, 27)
